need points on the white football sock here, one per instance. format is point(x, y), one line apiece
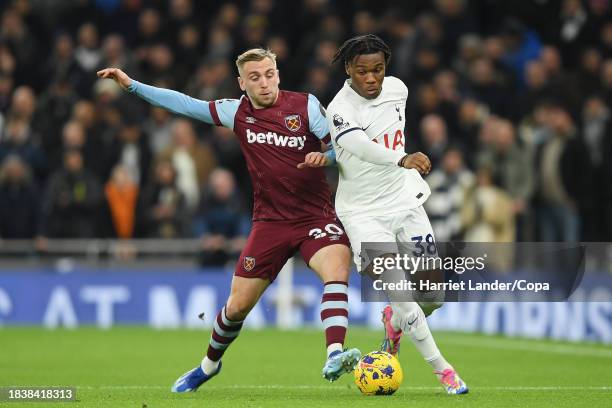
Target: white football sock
point(412, 321)
point(209, 366)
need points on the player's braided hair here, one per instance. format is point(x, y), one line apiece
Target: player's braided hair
point(362, 44)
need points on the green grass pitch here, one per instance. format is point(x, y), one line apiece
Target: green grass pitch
point(135, 367)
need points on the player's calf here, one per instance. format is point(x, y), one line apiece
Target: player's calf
point(331, 263)
point(223, 334)
point(334, 314)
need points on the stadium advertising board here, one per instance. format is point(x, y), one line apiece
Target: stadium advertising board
point(174, 299)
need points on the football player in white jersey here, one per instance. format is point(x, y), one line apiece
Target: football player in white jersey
point(381, 192)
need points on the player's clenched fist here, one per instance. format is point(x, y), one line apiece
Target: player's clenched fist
point(116, 75)
point(417, 161)
point(313, 159)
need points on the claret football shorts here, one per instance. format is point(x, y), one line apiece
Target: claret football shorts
point(272, 243)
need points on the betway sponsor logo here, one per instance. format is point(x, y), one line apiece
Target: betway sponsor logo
point(276, 139)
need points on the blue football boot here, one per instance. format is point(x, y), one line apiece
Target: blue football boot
point(191, 380)
point(340, 362)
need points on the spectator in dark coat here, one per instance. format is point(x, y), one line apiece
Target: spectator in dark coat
point(131, 149)
point(434, 138)
point(597, 131)
point(565, 179)
point(17, 139)
point(19, 200)
point(72, 200)
point(163, 209)
point(222, 221)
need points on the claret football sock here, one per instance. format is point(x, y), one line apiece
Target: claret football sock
point(334, 314)
point(224, 333)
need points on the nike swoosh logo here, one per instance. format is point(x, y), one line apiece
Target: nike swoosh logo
point(366, 128)
point(412, 322)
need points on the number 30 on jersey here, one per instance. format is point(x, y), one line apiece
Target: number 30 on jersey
point(333, 230)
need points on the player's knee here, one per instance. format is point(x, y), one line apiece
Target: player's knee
point(403, 309)
point(335, 266)
point(432, 300)
point(237, 309)
point(339, 273)
point(335, 269)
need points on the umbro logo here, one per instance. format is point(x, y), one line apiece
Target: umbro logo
point(250, 119)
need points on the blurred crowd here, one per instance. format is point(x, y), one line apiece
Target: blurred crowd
point(510, 100)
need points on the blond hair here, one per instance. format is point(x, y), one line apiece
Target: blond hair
point(254, 54)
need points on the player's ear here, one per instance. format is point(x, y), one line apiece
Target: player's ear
point(241, 84)
point(347, 69)
point(278, 75)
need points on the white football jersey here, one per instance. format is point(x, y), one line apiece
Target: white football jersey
point(365, 187)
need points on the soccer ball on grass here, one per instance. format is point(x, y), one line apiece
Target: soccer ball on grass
point(378, 373)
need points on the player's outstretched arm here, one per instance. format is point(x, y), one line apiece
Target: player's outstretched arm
point(356, 142)
point(347, 132)
point(165, 98)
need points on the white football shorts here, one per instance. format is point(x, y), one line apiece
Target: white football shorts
point(412, 227)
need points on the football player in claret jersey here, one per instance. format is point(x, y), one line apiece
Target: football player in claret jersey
point(280, 133)
point(381, 192)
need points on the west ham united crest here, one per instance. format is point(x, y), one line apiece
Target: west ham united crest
point(249, 263)
point(293, 122)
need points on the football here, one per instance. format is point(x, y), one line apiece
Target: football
point(378, 373)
